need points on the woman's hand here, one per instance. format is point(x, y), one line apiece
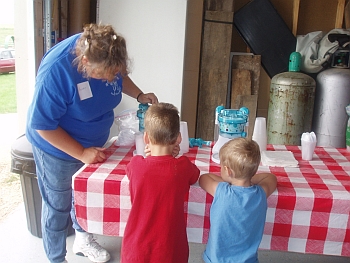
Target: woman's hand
point(148, 98)
point(130, 89)
point(93, 155)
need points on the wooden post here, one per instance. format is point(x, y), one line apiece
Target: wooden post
point(79, 15)
point(347, 15)
point(340, 14)
point(38, 34)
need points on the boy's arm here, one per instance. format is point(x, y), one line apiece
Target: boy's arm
point(267, 181)
point(194, 171)
point(209, 183)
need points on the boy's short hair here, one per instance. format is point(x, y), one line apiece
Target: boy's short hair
point(162, 123)
point(242, 156)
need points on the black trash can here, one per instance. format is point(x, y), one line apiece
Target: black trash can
point(22, 163)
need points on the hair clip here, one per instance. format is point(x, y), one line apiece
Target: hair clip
point(114, 37)
point(87, 40)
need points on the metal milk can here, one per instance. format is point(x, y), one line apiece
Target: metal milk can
point(331, 98)
point(291, 104)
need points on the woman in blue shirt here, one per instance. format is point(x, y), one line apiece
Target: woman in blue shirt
point(79, 82)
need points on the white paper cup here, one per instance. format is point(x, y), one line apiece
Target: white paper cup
point(307, 149)
point(259, 133)
point(140, 144)
point(185, 143)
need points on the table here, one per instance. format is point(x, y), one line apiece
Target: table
point(309, 212)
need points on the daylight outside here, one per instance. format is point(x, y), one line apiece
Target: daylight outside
point(10, 187)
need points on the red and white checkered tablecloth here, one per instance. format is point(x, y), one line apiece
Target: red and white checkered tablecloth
point(309, 212)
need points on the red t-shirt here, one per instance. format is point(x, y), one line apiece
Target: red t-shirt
point(156, 228)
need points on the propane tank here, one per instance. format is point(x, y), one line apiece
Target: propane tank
point(331, 98)
point(291, 104)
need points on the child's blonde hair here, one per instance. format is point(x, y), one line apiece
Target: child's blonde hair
point(162, 123)
point(242, 156)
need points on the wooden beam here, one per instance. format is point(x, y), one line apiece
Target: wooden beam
point(340, 14)
point(347, 15)
point(296, 4)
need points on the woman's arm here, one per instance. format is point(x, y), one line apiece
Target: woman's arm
point(130, 89)
point(209, 182)
point(63, 141)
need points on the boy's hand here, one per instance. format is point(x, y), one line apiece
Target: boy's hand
point(147, 150)
point(176, 150)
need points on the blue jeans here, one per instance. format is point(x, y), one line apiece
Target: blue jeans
point(55, 185)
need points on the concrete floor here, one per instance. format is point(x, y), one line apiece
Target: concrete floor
point(18, 245)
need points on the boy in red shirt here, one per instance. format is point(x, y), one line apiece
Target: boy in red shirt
point(156, 228)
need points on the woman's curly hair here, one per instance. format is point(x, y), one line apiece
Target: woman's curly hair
point(103, 47)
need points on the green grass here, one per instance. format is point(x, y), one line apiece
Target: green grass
point(8, 100)
point(5, 31)
point(7, 81)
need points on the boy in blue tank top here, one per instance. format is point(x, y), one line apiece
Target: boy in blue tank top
point(238, 211)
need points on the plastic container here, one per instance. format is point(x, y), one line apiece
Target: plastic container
point(216, 123)
point(141, 115)
point(232, 122)
point(347, 135)
point(22, 163)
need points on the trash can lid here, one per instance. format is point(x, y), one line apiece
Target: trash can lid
point(22, 147)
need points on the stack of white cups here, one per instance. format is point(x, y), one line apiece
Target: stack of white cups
point(259, 133)
point(140, 144)
point(185, 143)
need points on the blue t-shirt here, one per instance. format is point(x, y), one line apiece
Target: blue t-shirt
point(237, 219)
point(64, 98)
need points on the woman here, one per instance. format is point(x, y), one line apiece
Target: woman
point(79, 83)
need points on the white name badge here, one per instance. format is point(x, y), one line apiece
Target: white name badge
point(84, 90)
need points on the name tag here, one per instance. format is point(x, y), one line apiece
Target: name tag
point(84, 90)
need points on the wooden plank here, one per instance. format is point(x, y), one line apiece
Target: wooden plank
point(241, 85)
point(347, 15)
point(251, 102)
point(220, 5)
point(250, 62)
point(296, 4)
point(216, 47)
point(340, 14)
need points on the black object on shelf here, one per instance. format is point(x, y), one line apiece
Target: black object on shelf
point(266, 34)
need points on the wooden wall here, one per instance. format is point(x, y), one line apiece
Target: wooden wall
point(301, 16)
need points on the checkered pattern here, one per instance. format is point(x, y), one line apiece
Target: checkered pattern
point(308, 213)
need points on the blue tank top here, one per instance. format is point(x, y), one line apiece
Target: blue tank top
point(237, 219)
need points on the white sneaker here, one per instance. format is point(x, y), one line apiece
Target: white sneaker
point(91, 249)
